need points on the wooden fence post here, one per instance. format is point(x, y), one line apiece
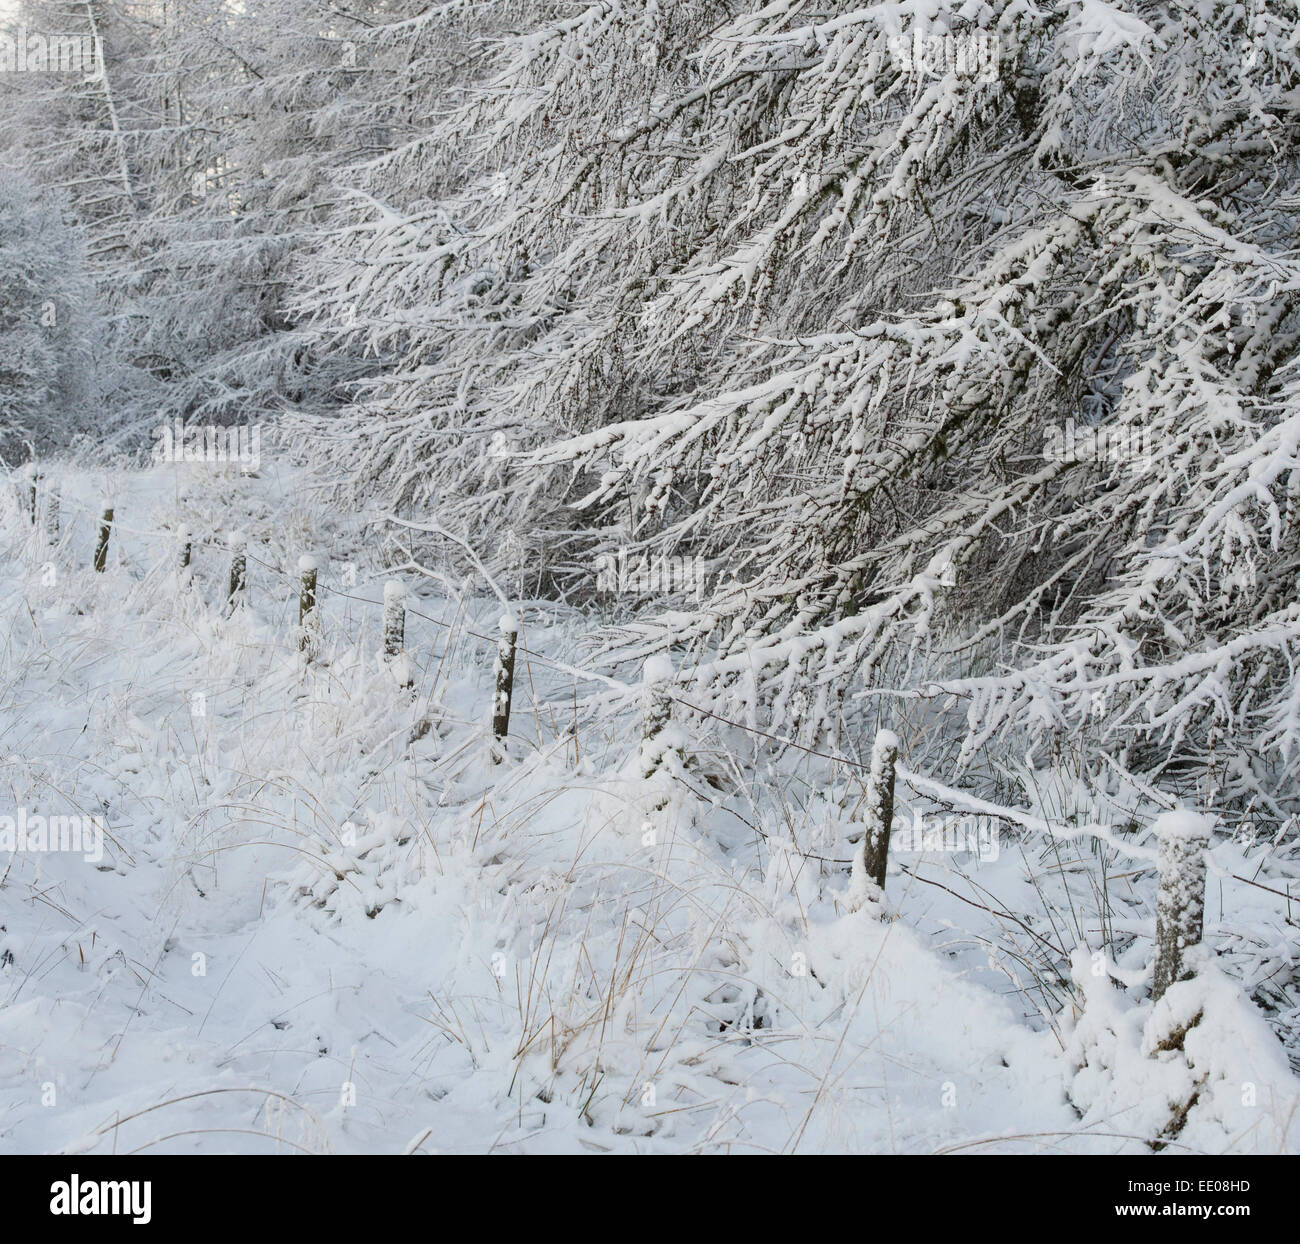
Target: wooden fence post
point(101, 544)
point(394, 618)
point(1183, 837)
point(237, 586)
point(395, 629)
point(52, 512)
point(656, 708)
point(880, 807)
point(505, 685)
point(307, 567)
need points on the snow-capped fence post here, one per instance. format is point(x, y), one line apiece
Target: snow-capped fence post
point(1183, 837)
point(880, 807)
point(505, 685)
point(656, 708)
point(101, 543)
point(237, 584)
point(394, 618)
point(306, 601)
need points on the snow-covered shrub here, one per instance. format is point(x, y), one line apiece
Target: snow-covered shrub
point(1200, 1069)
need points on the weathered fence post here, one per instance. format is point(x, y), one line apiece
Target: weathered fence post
point(52, 512)
point(505, 685)
point(880, 807)
point(307, 567)
point(656, 708)
point(237, 586)
point(1183, 837)
point(394, 618)
point(395, 629)
point(101, 544)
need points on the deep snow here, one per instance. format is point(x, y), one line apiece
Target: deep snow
point(326, 922)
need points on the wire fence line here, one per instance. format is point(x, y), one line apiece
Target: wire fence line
point(928, 788)
point(221, 546)
point(1183, 836)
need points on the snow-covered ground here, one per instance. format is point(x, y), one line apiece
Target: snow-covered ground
point(325, 921)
